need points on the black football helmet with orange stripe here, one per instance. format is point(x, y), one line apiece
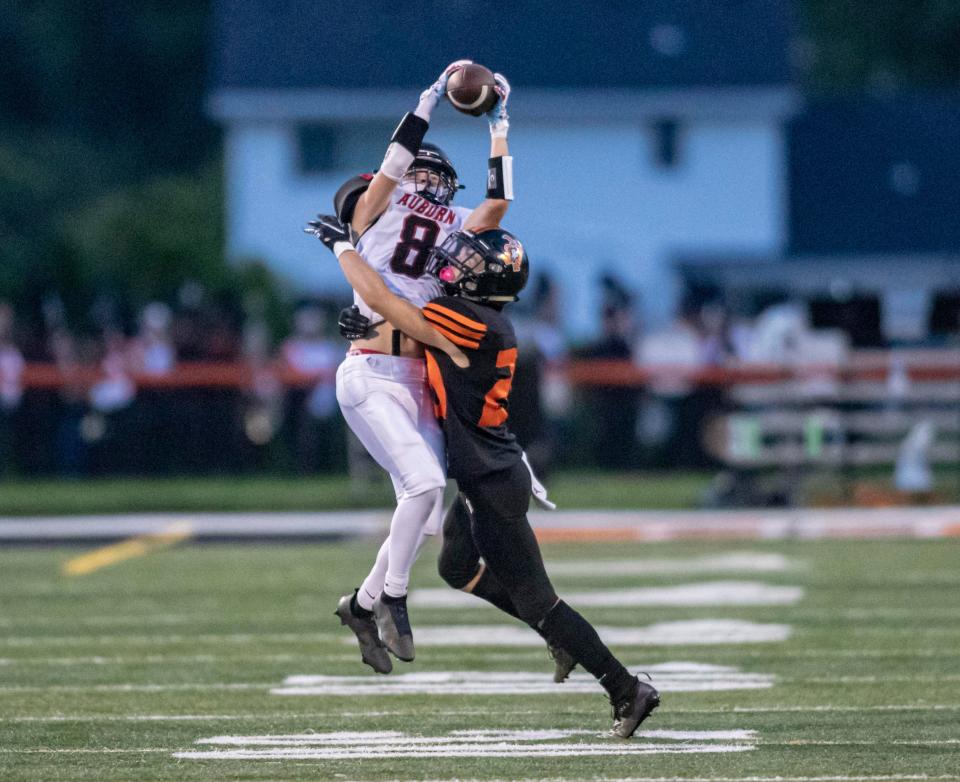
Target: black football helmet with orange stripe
point(488, 266)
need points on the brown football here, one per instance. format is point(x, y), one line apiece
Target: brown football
point(471, 90)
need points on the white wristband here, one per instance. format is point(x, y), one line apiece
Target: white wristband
point(339, 248)
point(396, 162)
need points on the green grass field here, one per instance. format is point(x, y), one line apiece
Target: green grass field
point(628, 490)
point(111, 675)
point(570, 489)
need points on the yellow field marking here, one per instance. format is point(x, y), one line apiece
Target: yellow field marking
point(128, 549)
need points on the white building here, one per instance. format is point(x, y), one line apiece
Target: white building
point(641, 132)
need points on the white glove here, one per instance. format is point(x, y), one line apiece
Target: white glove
point(497, 116)
point(432, 94)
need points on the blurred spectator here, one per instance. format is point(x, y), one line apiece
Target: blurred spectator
point(99, 421)
point(11, 362)
point(202, 330)
point(107, 426)
point(678, 404)
point(680, 346)
point(615, 407)
point(11, 386)
point(152, 352)
point(115, 390)
point(158, 419)
point(70, 453)
point(317, 433)
point(263, 411)
point(777, 334)
point(716, 347)
point(540, 400)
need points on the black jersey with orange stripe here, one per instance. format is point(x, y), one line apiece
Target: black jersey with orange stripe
point(472, 402)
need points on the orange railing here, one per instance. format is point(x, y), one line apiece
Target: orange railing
point(592, 373)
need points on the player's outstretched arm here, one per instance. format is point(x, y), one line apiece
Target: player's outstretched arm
point(490, 212)
point(403, 148)
point(365, 281)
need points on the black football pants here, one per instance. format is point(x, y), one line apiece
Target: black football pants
point(489, 520)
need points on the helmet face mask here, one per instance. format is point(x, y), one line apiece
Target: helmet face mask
point(490, 266)
point(432, 176)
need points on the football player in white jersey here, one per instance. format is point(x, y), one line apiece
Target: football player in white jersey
point(400, 214)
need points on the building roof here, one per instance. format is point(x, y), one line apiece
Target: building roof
point(305, 44)
point(875, 176)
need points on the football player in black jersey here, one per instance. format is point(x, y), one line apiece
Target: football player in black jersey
point(471, 354)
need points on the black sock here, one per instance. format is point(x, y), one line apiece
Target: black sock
point(491, 590)
point(564, 627)
point(385, 598)
point(357, 610)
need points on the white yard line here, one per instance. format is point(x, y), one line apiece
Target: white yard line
point(822, 708)
point(151, 640)
point(705, 593)
point(919, 678)
point(857, 778)
point(175, 659)
point(732, 562)
point(753, 524)
point(358, 745)
point(465, 743)
point(669, 677)
point(534, 654)
point(106, 621)
point(481, 736)
point(463, 751)
point(309, 619)
point(136, 687)
point(360, 715)
point(682, 633)
point(691, 632)
point(829, 652)
point(80, 751)
point(895, 742)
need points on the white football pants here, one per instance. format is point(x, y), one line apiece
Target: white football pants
point(386, 402)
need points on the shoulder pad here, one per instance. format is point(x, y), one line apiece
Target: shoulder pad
point(346, 197)
point(455, 320)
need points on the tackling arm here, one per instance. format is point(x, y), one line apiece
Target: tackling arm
point(367, 283)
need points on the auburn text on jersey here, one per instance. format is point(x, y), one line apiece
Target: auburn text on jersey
point(421, 206)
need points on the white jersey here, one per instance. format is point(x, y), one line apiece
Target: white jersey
point(398, 244)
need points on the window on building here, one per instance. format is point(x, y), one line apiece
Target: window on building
point(666, 143)
point(343, 146)
point(316, 146)
point(945, 314)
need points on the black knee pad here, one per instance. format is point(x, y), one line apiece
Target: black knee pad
point(459, 559)
point(455, 571)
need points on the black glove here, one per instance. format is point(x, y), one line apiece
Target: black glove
point(352, 324)
point(329, 230)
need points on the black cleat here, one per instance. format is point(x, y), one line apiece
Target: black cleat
point(634, 709)
point(393, 623)
point(372, 651)
point(563, 663)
